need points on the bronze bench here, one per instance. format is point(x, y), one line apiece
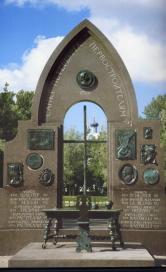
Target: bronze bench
point(55, 218)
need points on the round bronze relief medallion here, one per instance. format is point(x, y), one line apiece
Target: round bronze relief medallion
point(151, 176)
point(128, 174)
point(34, 161)
point(46, 177)
point(86, 79)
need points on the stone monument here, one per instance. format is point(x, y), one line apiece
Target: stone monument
point(84, 67)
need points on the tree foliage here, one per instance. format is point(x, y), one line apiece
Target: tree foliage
point(154, 109)
point(8, 115)
point(23, 104)
point(157, 110)
point(13, 107)
point(74, 165)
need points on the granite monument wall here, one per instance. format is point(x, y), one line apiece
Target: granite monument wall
point(84, 67)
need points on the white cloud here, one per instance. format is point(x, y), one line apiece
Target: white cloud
point(26, 75)
point(143, 57)
point(23, 2)
point(69, 5)
point(91, 4)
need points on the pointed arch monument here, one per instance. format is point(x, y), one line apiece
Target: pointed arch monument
point(84, 67)
point(85, 47)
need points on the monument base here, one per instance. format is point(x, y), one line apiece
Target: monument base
point(13, 240)
point(65, 255)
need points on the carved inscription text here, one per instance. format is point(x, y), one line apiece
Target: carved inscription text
point(141, 210)
point(25, 209)
point(116, 82)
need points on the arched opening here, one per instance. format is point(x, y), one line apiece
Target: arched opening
point(85, 153)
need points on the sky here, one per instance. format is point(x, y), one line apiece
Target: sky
point(31, 29)
point(94, 114)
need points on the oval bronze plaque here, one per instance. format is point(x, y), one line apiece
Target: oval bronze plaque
point(46, 177)
point(34, 161)
point(151, 176)
point(128, 174)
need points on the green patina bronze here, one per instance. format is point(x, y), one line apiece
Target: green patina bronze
point(84, 217)
point(15, 174)
point(34, 161)
point(151, 176)
point(128, 174)
point(46, 177)
point(84, 241)
point(148, 154)
point(40, 139)
point(148, 133)
point(86, 79)
point(125, 144)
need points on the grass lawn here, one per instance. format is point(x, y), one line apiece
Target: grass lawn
point(70, 201)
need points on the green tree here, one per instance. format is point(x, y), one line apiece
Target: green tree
point(97, 165)
point(73, 162)
point(13, 107)
point(153, 110)
point(8, 115)
point(23, 104)
point(157, 110)
point(74, 169)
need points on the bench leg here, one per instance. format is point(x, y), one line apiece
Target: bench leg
point(120, 239)
point(56, 224)
point(47, 232)
point(112, 232)
point(115, 233)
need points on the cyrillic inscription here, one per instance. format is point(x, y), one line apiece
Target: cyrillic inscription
point(116, 82)
point(141, 210)
point(25, 209)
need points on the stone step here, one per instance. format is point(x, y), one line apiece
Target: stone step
point(65, 255)
point(160, 260)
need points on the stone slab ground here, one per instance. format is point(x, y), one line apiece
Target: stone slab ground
point(4, 261)
point(64, 255)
